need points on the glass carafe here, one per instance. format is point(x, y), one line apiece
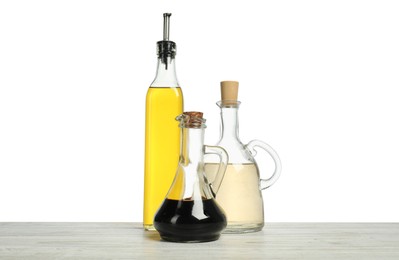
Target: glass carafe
point(240, 193)
point(189, 212)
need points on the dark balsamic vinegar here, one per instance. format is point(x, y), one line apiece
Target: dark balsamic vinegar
point(190, 220)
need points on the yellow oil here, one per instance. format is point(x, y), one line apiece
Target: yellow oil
point(162, 146)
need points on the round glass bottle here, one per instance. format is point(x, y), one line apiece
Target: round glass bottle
point(189, 212)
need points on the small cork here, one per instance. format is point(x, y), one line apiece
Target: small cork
point(194, 119)
point(229, 91)
point(192, 114)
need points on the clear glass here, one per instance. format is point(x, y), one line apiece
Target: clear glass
point(164, 102)
point(240, 193)
point(189, 212)
point(166, 75)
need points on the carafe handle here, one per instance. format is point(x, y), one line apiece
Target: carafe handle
point(266, 183)
point(224, 159)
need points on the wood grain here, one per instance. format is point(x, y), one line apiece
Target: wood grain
point(129, 241)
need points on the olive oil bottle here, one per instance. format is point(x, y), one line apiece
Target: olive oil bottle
point(164, 103)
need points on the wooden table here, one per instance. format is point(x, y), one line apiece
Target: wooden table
point(129, 241)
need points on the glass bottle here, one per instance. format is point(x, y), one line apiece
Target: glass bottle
point(240, 193)
point(164, 102)
point(189, 212)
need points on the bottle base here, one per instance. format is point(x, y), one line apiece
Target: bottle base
point(149, 227)
point(171, 238)
point(189, 221)
point(243, 228)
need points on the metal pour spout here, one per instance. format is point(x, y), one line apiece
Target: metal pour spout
point(166, 48)
point(166, 26)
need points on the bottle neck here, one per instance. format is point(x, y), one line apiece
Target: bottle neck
point(191, 148)
point(166, 73)
point(229, 126)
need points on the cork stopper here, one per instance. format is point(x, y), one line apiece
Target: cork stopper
point(229, 91)
point(193, 114)
point(192, 119)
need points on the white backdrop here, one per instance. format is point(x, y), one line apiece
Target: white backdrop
point(318, 81)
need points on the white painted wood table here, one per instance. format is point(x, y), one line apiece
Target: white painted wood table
point(128, 241)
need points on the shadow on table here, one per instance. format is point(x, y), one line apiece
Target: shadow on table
point(152, 235)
